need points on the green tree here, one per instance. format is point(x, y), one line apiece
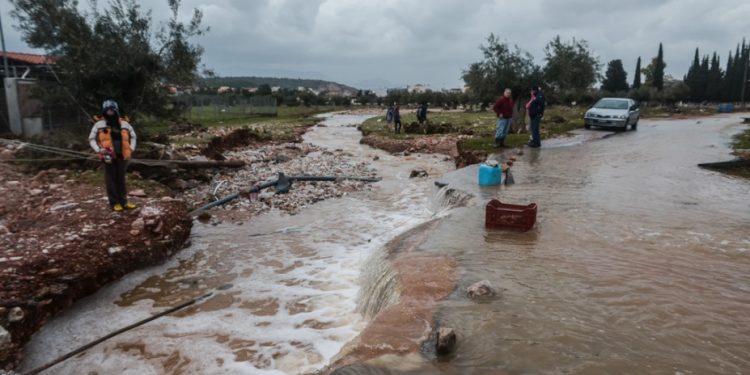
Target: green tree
point(714, 77)
point(637, 76)
point(115, 53)
point(502, 67)
point(659, 67)
point(615, 79)
point(264, 89)
point(692, 78)
point(570, 65)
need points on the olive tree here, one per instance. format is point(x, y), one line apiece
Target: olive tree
point(115, 51)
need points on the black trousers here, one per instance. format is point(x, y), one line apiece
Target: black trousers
point(114, 177)
point(398, 126)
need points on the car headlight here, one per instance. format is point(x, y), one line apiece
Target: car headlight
point(622, 116)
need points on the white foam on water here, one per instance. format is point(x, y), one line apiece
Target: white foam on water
point(291, 314)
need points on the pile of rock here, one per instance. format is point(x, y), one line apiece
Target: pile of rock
point(293, 159)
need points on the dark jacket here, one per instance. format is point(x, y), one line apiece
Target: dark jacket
point(503, 107)
point(536, 109)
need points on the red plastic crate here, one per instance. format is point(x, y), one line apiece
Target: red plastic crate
point(510, 216)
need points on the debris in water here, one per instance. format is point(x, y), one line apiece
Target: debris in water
point(418, 173)
point(446, 341)
point(480, 289)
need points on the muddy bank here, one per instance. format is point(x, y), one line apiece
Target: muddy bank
point(443, 144)
point(59, 242)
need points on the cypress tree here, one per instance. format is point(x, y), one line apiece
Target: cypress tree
point(659, 69)
point(737, 74)
point(728, 85)
point(702, 80)
point(744, 86)
point(713, 83)
point(691, 77)
point(615, 79)
point(637, 77)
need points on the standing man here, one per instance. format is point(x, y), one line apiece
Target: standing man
point(504, 109)
point(389, 116)
point(536, 112)
point(397, 118)
point(422, 113)
point(113, 139)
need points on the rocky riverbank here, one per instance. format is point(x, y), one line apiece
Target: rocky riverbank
point(59, 242)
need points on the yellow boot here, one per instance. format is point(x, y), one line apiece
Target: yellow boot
point(117, 207)
point(129, 206)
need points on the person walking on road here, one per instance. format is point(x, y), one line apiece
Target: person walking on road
point(397, 118)
point(114, 140)
point(536, 111)
point(504, 110)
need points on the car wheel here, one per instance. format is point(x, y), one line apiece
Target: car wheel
point(635, 125)
point(624, 128)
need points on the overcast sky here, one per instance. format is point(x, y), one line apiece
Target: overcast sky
point(368, 43)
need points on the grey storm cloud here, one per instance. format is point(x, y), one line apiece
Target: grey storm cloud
point(400, 42)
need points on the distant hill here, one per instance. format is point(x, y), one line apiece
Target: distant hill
point(286, 83)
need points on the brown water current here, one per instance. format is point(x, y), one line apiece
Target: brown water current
point(639, 264)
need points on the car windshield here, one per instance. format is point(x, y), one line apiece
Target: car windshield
point(611, 104)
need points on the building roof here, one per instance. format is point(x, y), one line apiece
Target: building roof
point(30, 58)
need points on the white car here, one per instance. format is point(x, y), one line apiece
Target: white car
point(613, 113)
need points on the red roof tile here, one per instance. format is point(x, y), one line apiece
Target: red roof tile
point(30, 58)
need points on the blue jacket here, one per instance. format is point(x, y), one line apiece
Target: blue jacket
point(536, 108)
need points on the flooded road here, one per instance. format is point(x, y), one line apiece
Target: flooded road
point(639, 263)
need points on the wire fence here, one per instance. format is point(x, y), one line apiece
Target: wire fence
point(212, 108)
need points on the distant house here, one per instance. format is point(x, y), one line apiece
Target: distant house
point(417, 89)
point(275, 88)
point(224, 89)
point(24, 65)
point(20, 112)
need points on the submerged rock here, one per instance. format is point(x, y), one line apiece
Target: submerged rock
point(418, 173)
point(481, 289)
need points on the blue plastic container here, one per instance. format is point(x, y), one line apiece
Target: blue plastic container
point(726, 108)
point(490, 175)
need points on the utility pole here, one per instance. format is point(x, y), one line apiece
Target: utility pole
point(5, 55)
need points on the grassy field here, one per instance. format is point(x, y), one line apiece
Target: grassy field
point(558, 121)
point(741, 141)
point(281, 126)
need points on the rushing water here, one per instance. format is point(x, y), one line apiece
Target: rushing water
point(638, 264)
point(285, 287)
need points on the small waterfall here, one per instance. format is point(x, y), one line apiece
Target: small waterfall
point(448, 198)
point(379, 285)
point(379, 280)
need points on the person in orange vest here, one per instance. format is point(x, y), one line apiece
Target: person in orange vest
point(114, 140)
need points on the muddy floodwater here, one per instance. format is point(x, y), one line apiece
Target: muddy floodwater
point(639, 264)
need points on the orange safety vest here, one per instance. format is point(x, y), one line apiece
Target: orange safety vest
point(104, 138)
